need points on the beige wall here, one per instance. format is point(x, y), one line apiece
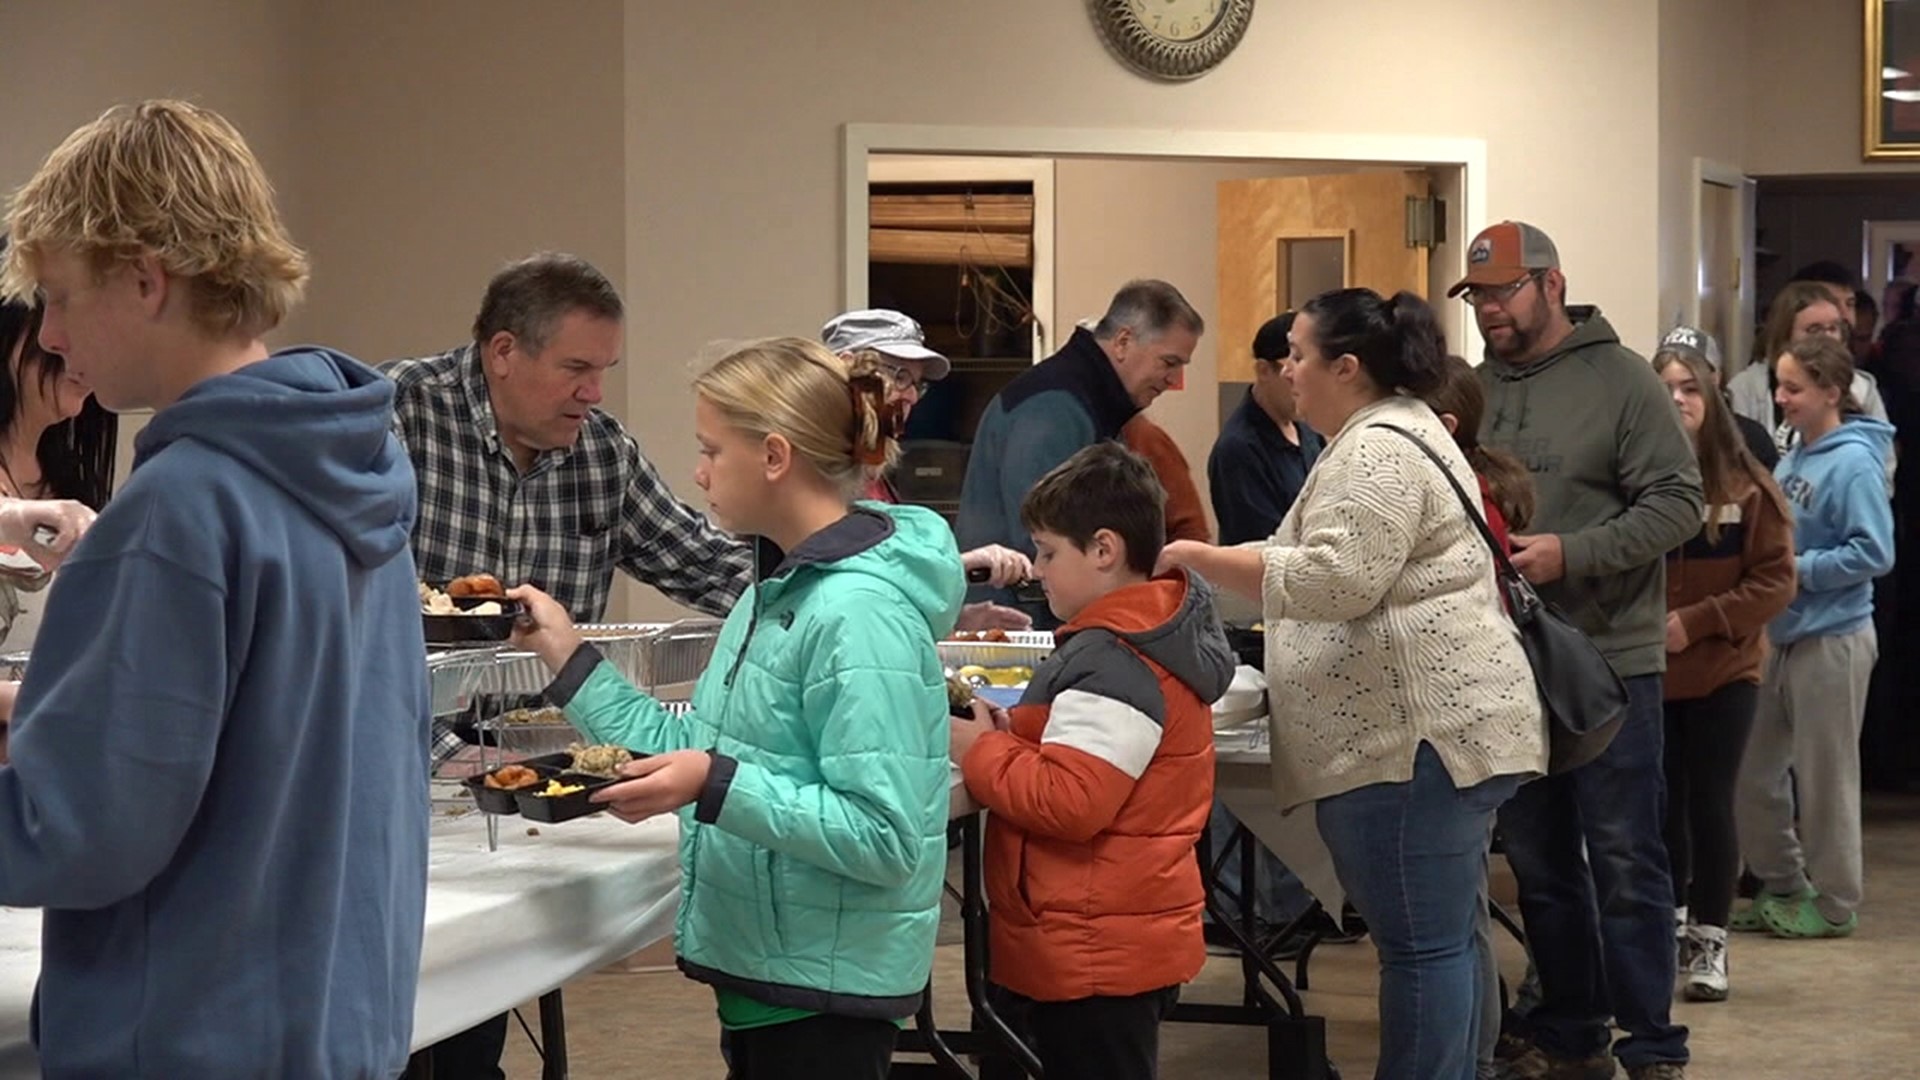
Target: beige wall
point(1703, 113)
point(1805, 96)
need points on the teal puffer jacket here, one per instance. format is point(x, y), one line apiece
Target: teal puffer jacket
point(812, 864)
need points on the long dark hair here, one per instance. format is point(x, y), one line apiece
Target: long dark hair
point(75, 455)
point(1461, 396)
point(1728, 470)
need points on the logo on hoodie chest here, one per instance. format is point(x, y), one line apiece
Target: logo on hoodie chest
point(1798, 490)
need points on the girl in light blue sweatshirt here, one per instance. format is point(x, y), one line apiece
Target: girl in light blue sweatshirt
point(1822, 654)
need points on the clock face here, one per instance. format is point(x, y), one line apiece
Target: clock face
point(1177, 20)
point(1171, 39)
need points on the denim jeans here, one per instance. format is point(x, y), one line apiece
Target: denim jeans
point(1279, 896)
point(1413, 858)
point(1589, 841)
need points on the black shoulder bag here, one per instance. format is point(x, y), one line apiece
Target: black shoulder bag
point(1584, 698)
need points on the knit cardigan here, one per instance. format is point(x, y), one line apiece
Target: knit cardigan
point(1384, 627)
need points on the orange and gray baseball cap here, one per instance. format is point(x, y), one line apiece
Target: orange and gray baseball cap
point(1503, 254)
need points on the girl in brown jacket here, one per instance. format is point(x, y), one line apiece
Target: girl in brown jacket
point(1723, 587)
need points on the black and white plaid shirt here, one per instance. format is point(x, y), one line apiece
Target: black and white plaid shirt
point(568, 522)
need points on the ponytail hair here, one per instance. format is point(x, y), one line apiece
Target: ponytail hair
point(833, 412)
point(1396, 339)
point(1460, 395)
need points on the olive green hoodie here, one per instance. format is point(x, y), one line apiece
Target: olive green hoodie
point(1614, 476)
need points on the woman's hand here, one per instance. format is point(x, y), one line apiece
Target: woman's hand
point(46, 529)
point(1182, 553)
point(544, 629)
point(656, 785)
point(1005, 567)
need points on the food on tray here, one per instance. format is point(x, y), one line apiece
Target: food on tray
point(511, 777)
point(976, 675)
point(555, 789)
point(547, 715)
point(959, 694)
point(435, 602)
point(475, 585)
point(995, 636)
point(604, 760)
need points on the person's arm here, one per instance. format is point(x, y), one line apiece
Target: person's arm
point(1865, 550)
point(1766, 580)
point(1356, 533)
point(607, 708)
point(671, 546)
point(1102, 731)
point(115, 732)
point(1661, 482)
point(878, 733)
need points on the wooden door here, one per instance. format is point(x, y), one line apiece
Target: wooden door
point(1284, 239)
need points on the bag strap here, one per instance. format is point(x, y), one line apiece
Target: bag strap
point(1500, 559)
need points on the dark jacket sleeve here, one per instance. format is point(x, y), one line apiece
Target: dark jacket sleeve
point(1245, 509)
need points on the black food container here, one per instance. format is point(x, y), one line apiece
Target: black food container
point(472, 629)
point(557, 808)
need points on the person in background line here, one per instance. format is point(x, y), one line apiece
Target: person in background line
point(1723, 587)
point(1255, 471)
point(896, 345)
point(1866, 320)
point(1186, 516)
point(1802, 309)
point(1799, 786)
point(1083, 394)
point(1265, 450)
point(1506, 498)
point(1693, 341)
point(1616, 488)
point(238, 630)
point(56, 442)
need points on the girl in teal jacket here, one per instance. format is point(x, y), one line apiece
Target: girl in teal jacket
point(811, 774)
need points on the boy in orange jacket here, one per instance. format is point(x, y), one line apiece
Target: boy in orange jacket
point(1100, 781)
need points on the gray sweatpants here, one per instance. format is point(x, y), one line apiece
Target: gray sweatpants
point(1808, 724)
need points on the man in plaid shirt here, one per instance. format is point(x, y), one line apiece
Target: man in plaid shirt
point(522, 476)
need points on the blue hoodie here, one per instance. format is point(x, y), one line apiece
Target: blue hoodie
point(1842, 528)
point(219, 757)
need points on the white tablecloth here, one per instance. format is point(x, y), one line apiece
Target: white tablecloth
point(503, 927)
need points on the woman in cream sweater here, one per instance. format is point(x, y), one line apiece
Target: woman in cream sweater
point(1402, 705)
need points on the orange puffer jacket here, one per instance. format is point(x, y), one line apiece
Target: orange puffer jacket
point(1097, 795)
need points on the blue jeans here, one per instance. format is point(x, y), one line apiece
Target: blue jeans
point(1279, 896)
point(1592, 842)
point(1413, 858)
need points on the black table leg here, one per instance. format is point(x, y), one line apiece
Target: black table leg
point(553, 1036)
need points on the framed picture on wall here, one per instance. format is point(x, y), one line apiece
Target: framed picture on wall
point(1892, 76)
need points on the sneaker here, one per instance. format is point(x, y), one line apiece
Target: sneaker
point(1537, 1064)
point(1706, 970)
point(1800, 918)
point(1658, 1070)
point(1682, 947)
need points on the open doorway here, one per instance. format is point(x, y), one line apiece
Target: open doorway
point(1294, 223)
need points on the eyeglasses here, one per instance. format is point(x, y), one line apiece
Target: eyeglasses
point(1497, 294)
point(901, 379)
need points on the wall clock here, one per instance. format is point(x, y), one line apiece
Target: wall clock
point(1171, 39)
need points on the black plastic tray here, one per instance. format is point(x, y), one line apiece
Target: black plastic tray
point(472, 629)
point(558, 808)
point(498, 801)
